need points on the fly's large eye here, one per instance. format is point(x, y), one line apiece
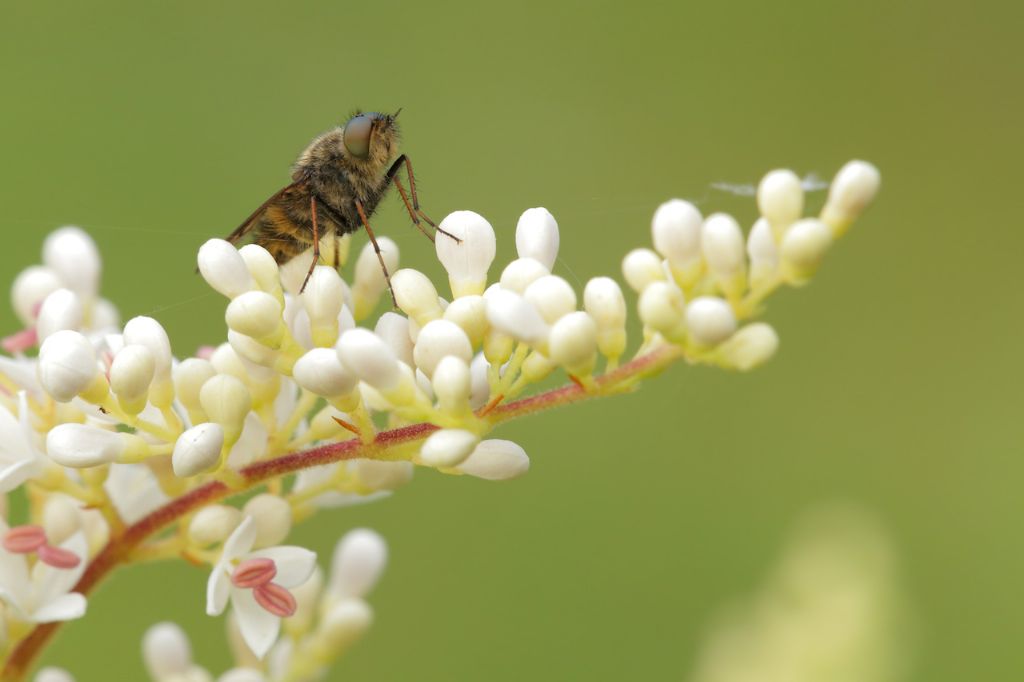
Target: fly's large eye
point(357, 136)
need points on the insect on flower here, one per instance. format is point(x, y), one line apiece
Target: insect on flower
point(337, 183)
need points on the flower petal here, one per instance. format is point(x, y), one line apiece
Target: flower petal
point(49, 583)
point(218, 588)
point(13, 572)
point(240, 541)
point(134, 491)
point(15, 600)
point(294, 564)
point(13, 447)
point(17, 473)
point(22, 372)
point(259, 628)
point(65, 607)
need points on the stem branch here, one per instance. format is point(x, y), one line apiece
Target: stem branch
point(121, 545)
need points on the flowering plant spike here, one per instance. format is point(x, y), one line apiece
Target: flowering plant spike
point(129, 452)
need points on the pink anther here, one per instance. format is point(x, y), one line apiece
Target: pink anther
point(275, 599)
point(58, 557)
point(254, 572)
point(20, 341)
point(24, 539)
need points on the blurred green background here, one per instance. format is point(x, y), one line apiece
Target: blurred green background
point(898, 384)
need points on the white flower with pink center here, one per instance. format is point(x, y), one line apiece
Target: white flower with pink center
point(39, 591)
point(257, 583)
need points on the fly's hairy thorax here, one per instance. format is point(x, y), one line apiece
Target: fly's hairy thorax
point(286, 227)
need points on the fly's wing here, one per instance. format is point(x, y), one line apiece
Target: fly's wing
point(276, 198)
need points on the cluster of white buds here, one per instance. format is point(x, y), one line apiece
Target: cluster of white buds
point(704, 277)
point(320, 618)
point(105, 425)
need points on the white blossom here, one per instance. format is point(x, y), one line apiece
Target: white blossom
point(468, 259)
point(42, 593)
point(496, 460)
point(259, 626)
point(537, 236)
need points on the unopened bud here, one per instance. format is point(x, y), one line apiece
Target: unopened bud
point(537, 236)
point(197, 450)
point(468, 259)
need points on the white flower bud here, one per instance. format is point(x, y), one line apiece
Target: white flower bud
point(604, 302)
point(67, 365)
point(521, 273)
point(537, 236)
point(320, 371)
point(537, 367)
point(496, 460)
point(72, 254)
point(640, 267)
point(308, 597)
point(416, 295)
point(105, 315)
point(254, 313)
point(662, 307)
point(346, 320)
point(149, 333)
point(498, 346)
point(80, 445)
point(197, 450)
point(448, 447)
point(323, 298)
point(480, 387)
point(377, 475)
point(510, 313)
point(166, 651)
point(226, 401)
point(262, 267)
point(359, 559)
point(470, 313)
point(710, 320)
point(468, 260)
point(30, 289)
point(213, 524)
point(61, 518)
point(763, 253)
point(573, 343)
point(189, 377)
point(224, 269)
point(676, 232)
point(131, 373)
point(438, 339)
point(369, 282)
point(780, 198)
point(53, 674)
point(394, 330)
point(750, 347)
point(345, 623)
point(722, 245)
point(370, 358)
point(552, 296)
point(300, 327)
point(853, 188)
point(251, 444)
point(272, 516)
point(239, 674)
point(452, 384)
point(250, 354)
point(60, 310)
point(803, 249)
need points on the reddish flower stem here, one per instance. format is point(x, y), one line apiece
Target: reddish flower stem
point(120, 547)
